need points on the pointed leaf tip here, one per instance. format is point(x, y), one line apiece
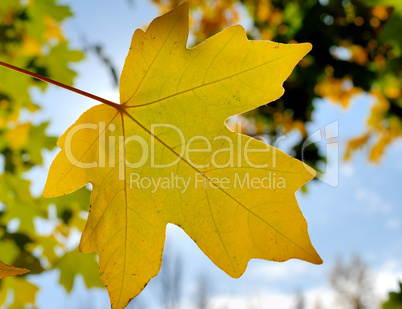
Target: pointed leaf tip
point(9, 271)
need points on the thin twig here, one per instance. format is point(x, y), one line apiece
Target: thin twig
point(50, 81)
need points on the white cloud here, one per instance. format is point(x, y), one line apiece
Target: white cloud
point(387, 278)
point(393, 224)
point(265, 300)
point(348, 169)
point(372, 202)
point(273, 301)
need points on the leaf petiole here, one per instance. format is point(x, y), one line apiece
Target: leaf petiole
point(51, 81)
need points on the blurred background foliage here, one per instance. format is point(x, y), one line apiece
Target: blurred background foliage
point(395, 299)
point(356, 50)
point(31, 37)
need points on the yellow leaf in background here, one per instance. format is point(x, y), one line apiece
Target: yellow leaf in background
point(380, 11)
point(31, 47)
point(378, 110)
point(53, 30)
point(359, 54)
point(337, 90)
point(75, 263)
point(164, 155)
point(23, 293)
point(354, 144)
point(18, 136)
point(378, 150)
point(8, 271)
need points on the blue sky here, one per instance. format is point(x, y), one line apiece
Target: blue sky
point(362, 214)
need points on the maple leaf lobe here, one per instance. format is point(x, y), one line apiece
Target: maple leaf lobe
point(9, 271)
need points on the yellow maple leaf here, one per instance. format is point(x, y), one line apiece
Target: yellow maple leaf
point(8, 271)
point(16, 293)
point(18, 136)
point(163, 155)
